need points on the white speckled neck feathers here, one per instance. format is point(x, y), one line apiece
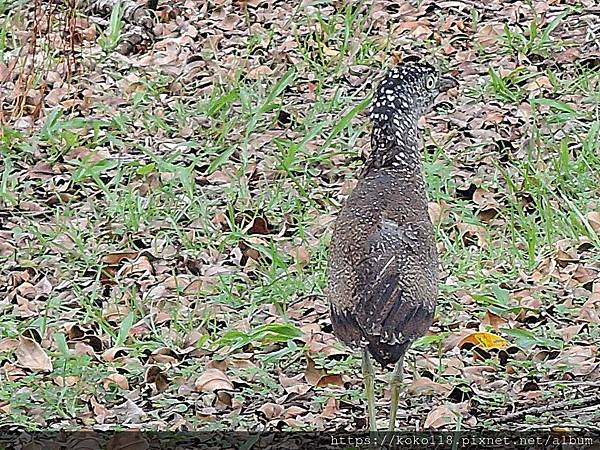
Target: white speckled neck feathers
point(394, 144)
point(402, 97)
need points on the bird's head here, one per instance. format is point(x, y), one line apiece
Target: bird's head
point(408, 90)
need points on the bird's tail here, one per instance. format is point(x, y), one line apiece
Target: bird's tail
point(384, 353)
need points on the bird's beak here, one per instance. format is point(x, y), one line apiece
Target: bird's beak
point(447, 82)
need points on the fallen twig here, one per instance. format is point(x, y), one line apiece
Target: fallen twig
point(578, 402)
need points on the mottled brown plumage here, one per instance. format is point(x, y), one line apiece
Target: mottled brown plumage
point(383, 263)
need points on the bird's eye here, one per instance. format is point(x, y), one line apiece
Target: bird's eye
point(430, 82)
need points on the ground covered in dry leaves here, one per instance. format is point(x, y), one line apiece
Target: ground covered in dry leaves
point(165, 214)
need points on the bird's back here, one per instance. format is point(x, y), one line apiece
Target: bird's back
point(383, 267)
point(383, 263)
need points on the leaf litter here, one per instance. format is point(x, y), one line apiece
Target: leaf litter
point(166, 209)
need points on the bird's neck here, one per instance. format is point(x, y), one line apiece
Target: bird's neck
point(394, 146)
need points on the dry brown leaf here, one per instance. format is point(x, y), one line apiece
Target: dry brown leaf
point(43, 287)
point(478, 374)
point(212, 380)
point(425, 386)
point(568, 333)
point(8, 344)
point(5, 407)
point(435, 212)
point(114, 259)
point(331, 380)
point(312, 374)
point(66, 381)
point(294, 411)
point(584, 274)
point(439, 417)
point(301, 255)
point(30, 355)
point(489, 33)
point(330, 52)
point(320, 377)
point(271, 410)
point(164, 355)
point(453, 340)
point(539, 83)
point(421, 32)
point(259, 225)
point(115, 352)
point(218, 177)
point(330, 409)
point(593, 218)
point(581, 358)
point(473, 234)
point(141, 264)
point(155, 376)
point(117, 379)
point(494, 320)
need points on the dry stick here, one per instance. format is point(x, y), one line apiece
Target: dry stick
point(573, 383)
point(578, 402)
point(553, 426)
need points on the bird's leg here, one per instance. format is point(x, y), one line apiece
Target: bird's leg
point(396, 385)
point(369, 380)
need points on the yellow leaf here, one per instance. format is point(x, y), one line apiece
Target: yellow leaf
point(329, 51)
point(485, 340)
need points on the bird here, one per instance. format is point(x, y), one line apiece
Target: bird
point(382, 275)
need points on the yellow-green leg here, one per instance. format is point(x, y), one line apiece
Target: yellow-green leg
point(369, 380)
point(396, 385)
